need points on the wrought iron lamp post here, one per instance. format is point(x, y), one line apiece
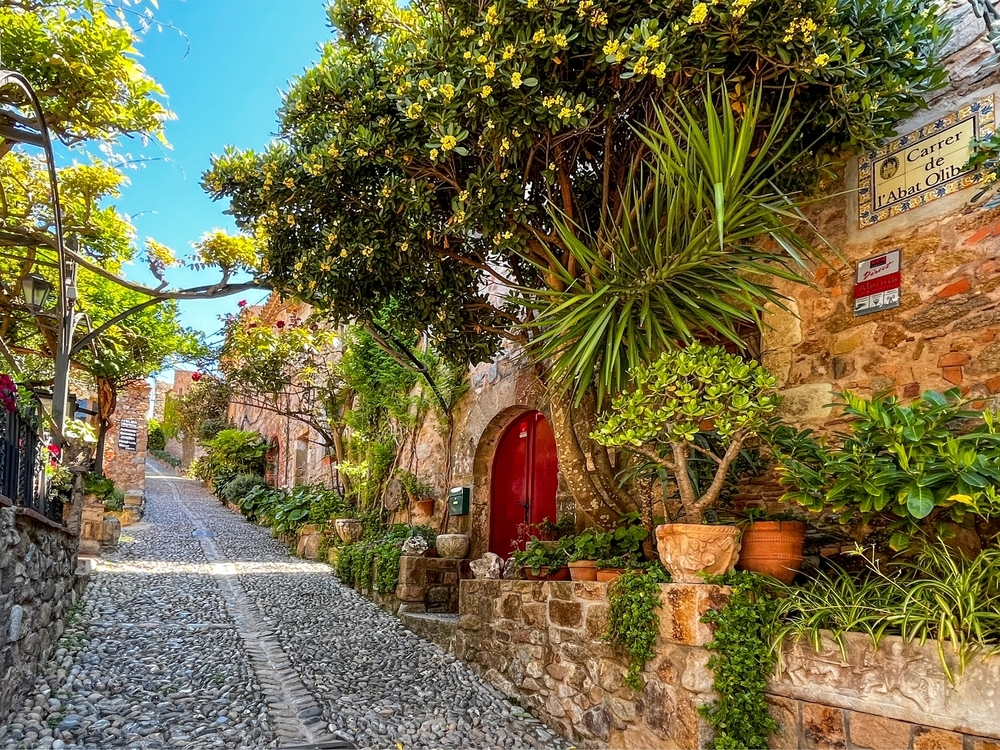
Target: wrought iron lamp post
point(16, 128)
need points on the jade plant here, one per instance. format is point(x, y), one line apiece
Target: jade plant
point(681, 395)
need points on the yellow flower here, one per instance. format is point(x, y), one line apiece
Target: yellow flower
point(560, 41)
point(362, 152)
point(485, 92)
point(504, 146)
point(481, 59)
point(583, 7)
point(490, 69)
point(467, 55)
point(504, 175)
point(448, 142)
point(698, 14)
point(492, 15)
point(289, 182)
point(464, 196)
point(565, 113)
point(467, 32)
point(414, 111)
point(424, 83)
point(598, 19)
point(532, 4)
point(404, 245)
point(821, 60)
point(368, 251)
point(515, 80)
point(611, 48)
point(653, 42)
point(434, 153)
point(660, 71)
point(740, 8)
point(538, 37)
point(508, 51)
point(641, 66)
point(459, 217)
point(447, 91)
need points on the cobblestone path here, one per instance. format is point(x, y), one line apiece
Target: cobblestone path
point(201, 632)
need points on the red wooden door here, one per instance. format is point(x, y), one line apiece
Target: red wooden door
point(524, 481)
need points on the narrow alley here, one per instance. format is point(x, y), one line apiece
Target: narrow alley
point(200, 631)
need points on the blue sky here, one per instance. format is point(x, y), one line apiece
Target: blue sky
point(222, 75)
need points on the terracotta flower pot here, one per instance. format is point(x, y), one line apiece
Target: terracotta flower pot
point(689, 551)
point(773, 548)
point(349, 529)
point(583, 570)
point(455, 546)
point(607, 575)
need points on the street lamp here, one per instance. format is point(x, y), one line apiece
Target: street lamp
point(35, 290)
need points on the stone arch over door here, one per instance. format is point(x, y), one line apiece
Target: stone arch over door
point(483, 464)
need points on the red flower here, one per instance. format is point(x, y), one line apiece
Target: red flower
point(8, 392)
point(54, 449)
point(280, 324)
point(241, 303)
point(196, 376)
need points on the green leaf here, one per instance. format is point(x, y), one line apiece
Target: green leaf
point(919, 501)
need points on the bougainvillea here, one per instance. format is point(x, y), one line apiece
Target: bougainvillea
point(8, 392)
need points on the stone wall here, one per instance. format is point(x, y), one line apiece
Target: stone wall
point(541, 643)
point(944, 334)
point(38, 587)
point(127, 469)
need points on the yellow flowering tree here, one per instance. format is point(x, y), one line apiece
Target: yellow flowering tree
point(421, 161)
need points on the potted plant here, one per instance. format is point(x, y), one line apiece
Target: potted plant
point(539, 560)
point(772, 545)
point(349, 530)
point(684, 394)
point(584, 550)
point(611, 568)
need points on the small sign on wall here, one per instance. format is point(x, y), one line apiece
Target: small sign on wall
point(128, 435)
point(924, 165)
point(877, 282)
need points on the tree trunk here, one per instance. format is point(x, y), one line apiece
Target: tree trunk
point(107, 401)
point(595, 490)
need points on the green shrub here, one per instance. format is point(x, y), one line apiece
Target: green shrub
point(115, 500)
point(239, 486)
point(260, 503)
point(156, 439)
point(914, 464)
point(232, 452)
point(166, 458)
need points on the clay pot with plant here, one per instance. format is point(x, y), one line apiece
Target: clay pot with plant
point(679, 396)
point(541, 560)
point(772, 545)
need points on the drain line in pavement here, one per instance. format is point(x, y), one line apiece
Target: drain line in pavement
point(296, 716)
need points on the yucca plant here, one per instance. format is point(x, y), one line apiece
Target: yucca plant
point(703, 234)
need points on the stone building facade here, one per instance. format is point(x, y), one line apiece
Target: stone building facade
point(125, 442)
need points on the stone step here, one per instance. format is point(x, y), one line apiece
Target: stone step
point(436, 628)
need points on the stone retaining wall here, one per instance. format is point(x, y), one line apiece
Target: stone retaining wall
point(38, 587)
point(541, 642)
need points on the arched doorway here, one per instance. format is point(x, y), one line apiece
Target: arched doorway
point(524, 481)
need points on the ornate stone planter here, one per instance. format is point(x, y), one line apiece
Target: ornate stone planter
point(349, 529)
point(455, 546)
point(690, 551)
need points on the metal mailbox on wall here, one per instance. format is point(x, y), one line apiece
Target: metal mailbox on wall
point(458, 501)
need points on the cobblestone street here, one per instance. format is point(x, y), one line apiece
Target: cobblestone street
point(201, 632)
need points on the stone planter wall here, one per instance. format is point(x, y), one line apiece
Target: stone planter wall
point(38, 587)
point(540, 642)
point(426, 585)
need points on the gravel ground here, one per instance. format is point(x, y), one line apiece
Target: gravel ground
point(222, 640)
